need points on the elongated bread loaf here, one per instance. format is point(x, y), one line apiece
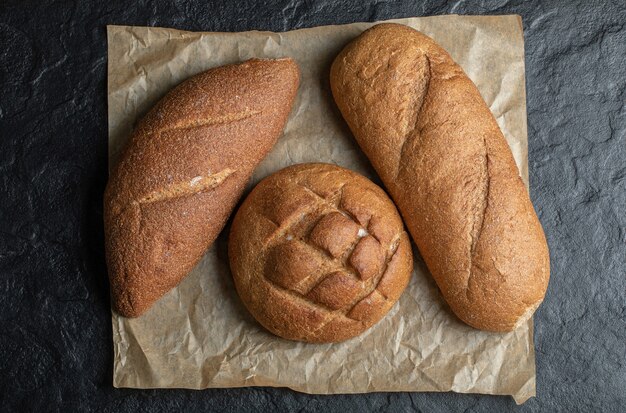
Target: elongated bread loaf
point(185, 167)
point(440, 153)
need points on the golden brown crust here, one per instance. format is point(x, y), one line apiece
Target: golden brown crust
point(438, 149)
point(184, 169)
point(303, 263)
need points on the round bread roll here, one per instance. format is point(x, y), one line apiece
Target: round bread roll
point(319, 253)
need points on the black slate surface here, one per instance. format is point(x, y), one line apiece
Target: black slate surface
point(55, 333)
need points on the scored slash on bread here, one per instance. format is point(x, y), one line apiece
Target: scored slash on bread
point(319, 253)
point(441, 155)
point(187, 188)
point(183, 170)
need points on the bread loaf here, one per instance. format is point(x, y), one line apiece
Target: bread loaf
point(183, 171)
point(319, 253)
point(439, 151)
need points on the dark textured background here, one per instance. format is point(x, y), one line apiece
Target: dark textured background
point(55, 329)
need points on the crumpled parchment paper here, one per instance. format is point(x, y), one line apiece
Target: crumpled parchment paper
point(200, 335)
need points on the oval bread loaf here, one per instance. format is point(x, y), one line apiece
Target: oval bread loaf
point(319, 253)
point(185, 167)
point(440, 153)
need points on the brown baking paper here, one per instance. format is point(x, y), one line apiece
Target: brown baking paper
point(199, 335)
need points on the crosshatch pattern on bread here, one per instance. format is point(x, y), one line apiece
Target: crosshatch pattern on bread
point(319, 253)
